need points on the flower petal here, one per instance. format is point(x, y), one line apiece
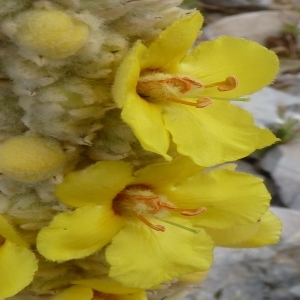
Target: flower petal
point(146, 121)
point(212, 135)
point(193, 277)
point(232, 235)
point(9, 233)
point(254, 65)
point(106, 286)
point(173, 43)
point(162, 174)
point(128, 75)
point(76, 292)
point(266, 138)
point(78, 234)
point(142, 257)
point(99, 184)
point(17, 267)
point(231, 198)
point(268, 233)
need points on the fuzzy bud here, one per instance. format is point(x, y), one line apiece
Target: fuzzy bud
point(31, 158)
point(50, 33)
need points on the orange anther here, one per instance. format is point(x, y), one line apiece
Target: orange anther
point(168, 206)
point(193, 212)
point(158, 227)
point(230, 83)
point(203, 102)
point(153, 226)
point(184, 84)
point(182, 102)
point(193, 82)
point(181, 84)
point(155, 205)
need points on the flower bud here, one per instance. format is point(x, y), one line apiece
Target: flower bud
point(31, 158)
point(50, 33)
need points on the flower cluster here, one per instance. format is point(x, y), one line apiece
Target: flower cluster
point(118, 137)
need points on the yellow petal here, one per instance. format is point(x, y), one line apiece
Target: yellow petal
point(17, 268)
point(106, 286)
point(194, 277)
point(212, 135)
point(142, 257)
point(78, 234)
point(97, 184)
point(254, 65)
point(172, 44)
point(146, 121)
point(231, 198)
point(128, 75)
point(162, 174)
point(268, 233)
point(76, 292)
point(229, 237)
point(9, 233)
point(266, 138)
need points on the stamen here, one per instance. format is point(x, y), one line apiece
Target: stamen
point(166, 205)
point(230, 83)
point(184, 212)
point(152, 201)
point(142, 202)
point(177, 225)
point(184, 84)
point(203, 102)
point(159, 86)
point(194, 212)
point(155, 227)
point(186, 102)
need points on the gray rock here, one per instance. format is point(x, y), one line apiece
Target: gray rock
point(283, 162)
point(295, 290)
point(256, 26)
point(264, 105)
point(245, 167)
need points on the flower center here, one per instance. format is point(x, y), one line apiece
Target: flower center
point(142, 203)
point(158, 86)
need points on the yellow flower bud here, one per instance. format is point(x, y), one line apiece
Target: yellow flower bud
point(51, 33)
point(31, 158)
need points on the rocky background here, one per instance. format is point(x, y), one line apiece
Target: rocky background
point(268, 273)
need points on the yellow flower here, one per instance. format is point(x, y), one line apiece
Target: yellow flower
point(147, 216)
point(99, 289)
point(163, 91)
point(17, 263)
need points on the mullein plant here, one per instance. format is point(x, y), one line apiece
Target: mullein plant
point(118, 137)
